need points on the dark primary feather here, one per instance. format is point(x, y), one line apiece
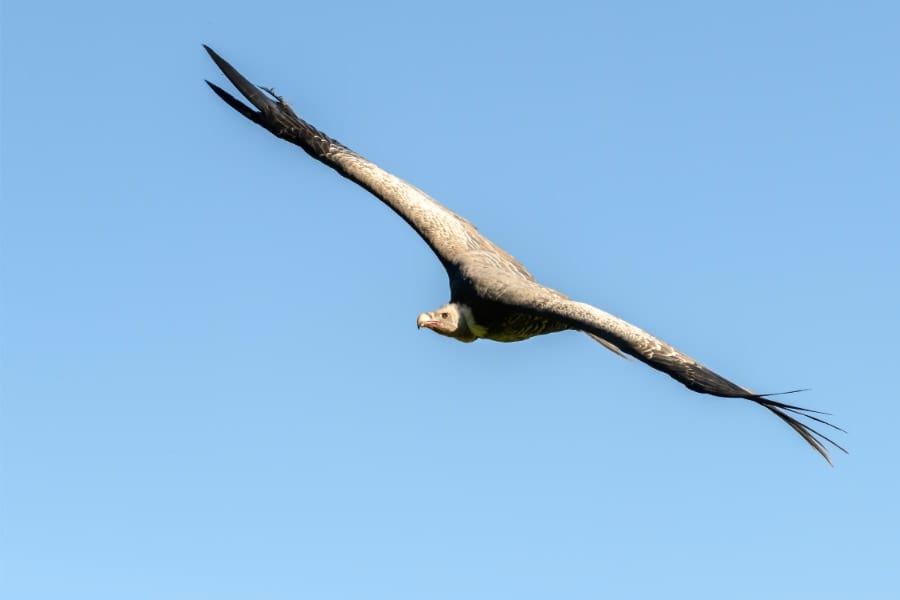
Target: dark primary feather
point(501, 295)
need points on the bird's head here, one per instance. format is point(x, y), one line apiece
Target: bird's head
point(451, 320)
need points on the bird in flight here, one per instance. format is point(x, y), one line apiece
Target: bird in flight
point(492, 296)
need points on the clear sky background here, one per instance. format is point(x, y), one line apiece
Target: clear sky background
point(212, 383)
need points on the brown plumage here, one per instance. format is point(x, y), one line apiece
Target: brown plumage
point(492, 295)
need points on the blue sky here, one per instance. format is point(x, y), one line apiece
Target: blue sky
point(211, 382)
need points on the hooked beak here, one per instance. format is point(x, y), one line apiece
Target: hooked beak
point(425, 320)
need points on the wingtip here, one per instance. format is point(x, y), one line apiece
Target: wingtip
point(813, 437)
point(247, 89)
point(235, 103)
point(223, 64)
point(211, 52)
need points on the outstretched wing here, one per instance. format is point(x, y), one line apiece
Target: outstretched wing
point(450, 236)
point(661, 356)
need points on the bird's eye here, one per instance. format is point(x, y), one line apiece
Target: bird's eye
point(444, 315)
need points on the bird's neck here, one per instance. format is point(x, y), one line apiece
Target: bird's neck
point(468, 318)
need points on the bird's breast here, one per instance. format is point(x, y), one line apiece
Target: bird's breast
point(512, 326)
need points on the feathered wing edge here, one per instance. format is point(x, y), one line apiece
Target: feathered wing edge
point(661, 356)
point(609, 346)
point(274, 114)
point(813, 437)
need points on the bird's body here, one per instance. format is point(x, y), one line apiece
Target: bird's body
point(492, 295)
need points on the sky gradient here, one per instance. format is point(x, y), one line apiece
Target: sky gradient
point(211, 382)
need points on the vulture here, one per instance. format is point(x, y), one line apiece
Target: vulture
point(492, 295)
